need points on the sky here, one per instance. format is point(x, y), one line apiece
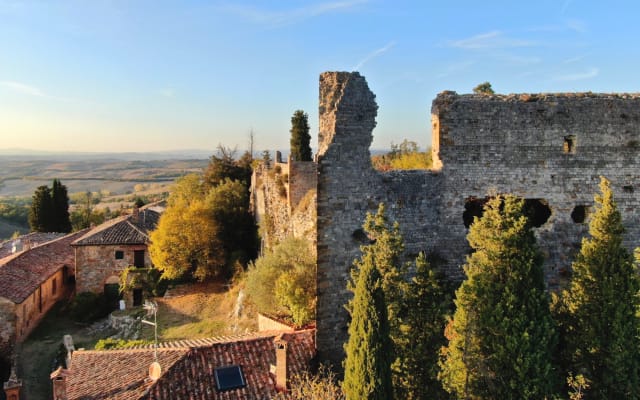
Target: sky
point(156, 75)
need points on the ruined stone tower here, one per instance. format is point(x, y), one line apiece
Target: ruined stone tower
point(550, 149)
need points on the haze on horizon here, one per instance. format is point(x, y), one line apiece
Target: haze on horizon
point(109, 76)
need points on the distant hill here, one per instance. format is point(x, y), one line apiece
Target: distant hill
point(27, 154)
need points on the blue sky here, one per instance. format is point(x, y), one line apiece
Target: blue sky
point(109, 75)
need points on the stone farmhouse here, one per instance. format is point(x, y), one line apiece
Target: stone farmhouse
point(255, 366)
point(103, 252)
point(31, 282)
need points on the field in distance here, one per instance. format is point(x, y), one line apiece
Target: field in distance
point(21, 177)
point(113, 183)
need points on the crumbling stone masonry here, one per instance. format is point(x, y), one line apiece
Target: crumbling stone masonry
point(283, 196)
point(548, 148)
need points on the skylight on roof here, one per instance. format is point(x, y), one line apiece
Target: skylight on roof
point(228, 378)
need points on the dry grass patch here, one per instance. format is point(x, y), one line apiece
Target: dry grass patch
point(199, 311)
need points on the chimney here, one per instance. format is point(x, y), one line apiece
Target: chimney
point(17, 246)
point(67, 340)
point(59, 381)
point(12, 386)
point(136, 214)
point(281, 363)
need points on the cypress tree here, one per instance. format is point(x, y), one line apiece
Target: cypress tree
point(40, 213)
point(427, 303)
point(368, 362)
point(501, 337)
point(60, 208)
point(599, 322)
point(300, 138)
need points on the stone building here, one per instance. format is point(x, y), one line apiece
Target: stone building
point(102, 253)
point(31, 282)
point(549, 149)
point(255, 366)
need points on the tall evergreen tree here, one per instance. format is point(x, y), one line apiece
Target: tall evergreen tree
point(300, 138)
point(502, 337)
point(599, 322)
point(40, 213)
point(427, 302)
point(385, 251)
point(60, 208)
point(368, 362)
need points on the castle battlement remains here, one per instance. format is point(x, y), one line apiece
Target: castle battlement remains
point(550, 149)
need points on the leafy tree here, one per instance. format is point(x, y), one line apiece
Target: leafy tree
point(300, 138)
point(227, 180)
point(60, 208)
point(40, 214)
point(427, 303)
point(599, 321)
point(483, 88)
point(282, 281)
point(369, 351)
point(84, 215)
point(139, 202)
point(501, 337)
point(224, 165)
point(187, 238)
point(229, 203)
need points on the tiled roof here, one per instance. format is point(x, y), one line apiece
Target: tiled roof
point(30, 239)
point(126, 229)
point(22, 273)
point(188, 369)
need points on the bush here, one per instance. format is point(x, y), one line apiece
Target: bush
point(88, 307)
point(282, 282)
point(109, 343)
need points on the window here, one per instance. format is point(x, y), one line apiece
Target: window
point(54, 287)
point(138, 258)
point(119, 254)
point(579, 214)
point(228, 378)
point(137, 297)
point(569, 146)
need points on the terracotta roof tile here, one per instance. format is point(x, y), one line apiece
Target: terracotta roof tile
point(22, 273)
point(188, 371)
point(32, 239)
point(115, 374)
point(122, 230)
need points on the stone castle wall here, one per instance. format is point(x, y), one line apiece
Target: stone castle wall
point(550, 149)
point(284, 198)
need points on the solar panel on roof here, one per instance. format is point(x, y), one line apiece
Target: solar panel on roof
point(228, 378)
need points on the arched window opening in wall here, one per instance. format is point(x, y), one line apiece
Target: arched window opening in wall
point(579, 214)
point(473, 207)
point(538, 211)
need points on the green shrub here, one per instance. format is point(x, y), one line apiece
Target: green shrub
point(109, 343)
point(88, 307)
point(282, 281)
